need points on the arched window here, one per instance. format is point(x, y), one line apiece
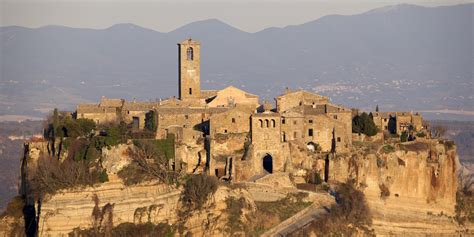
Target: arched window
point(190, 91)
point(267, 123)
point(273, 122)
point(261, 123)
point(189, 53)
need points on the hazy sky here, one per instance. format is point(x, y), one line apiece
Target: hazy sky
point(168, 15)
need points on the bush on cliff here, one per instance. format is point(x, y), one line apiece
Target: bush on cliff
point(52, 175)
point(350, 216)
point(150, 161)
point(197, 189)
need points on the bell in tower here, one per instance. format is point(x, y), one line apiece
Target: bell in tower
point(189, 69)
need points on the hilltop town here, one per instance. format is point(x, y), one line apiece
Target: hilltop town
point(201, 120)
point(225, 163)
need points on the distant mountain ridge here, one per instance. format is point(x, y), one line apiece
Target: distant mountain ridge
point(402, 57)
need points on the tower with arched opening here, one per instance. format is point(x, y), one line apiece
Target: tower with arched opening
point(189, 69)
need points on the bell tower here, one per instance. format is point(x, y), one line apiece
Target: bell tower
point(189, 69)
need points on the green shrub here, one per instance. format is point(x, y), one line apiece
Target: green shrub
point(388, 149)
point(420, 134)
point(104, 177)
point(150, 121)
point(404, 136)
point(364, 123)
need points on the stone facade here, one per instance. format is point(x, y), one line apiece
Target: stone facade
point(205, 122)
point(398, 122)
point(189, 69)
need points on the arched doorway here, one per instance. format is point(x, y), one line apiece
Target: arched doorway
point(311, 146)
point(268, 163)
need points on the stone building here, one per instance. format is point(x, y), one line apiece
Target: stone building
point(223, 131)
point(398, 122)
point(108, 110)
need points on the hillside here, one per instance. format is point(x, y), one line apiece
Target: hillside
point(401, 57)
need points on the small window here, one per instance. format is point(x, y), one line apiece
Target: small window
point(310, 121)
point(186, 116)
point(310, 132)
point(225, 130)
point(283, 121)
point(233, 120)
point(294, 122)
point(295, 135)
point(261, 123)
point(385, 120)
point(273, 122)
point(301, 103)
point(190, 54)
point(335, 116)
point(338, 139)
point(190, 91)
point(267, 123)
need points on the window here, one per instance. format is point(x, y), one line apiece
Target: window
point(190, 91)
point(186, 116)
point(294, 122)
point(310, 121)
point(338, 139)
point(261, 123)
point(233, 120)
point(335, 116)
point(283, 137)
point(385, 120)
point(225, 130)
point(190, 53)
point(273, 122)
point(310, 132)
point(295, 135)
point(283, 121)
point(267, 124)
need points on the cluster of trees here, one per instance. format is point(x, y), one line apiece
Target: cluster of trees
point(364, 123)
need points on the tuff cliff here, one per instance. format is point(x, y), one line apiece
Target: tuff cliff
point(410, 188)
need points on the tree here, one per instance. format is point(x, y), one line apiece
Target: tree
point(364, 123)
point(377, 108)
point(438, 131)
point(148, 163)
point(150, 121)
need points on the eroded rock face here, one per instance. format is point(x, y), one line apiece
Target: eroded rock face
point(407, 190)
point(69, 209)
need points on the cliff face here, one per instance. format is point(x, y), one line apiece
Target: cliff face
point(69, 209)
point(410, 189)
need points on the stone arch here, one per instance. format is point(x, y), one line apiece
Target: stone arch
point(311, 146)
point(267, 163)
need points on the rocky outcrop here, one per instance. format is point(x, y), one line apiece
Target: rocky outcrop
point(70, 209)
point(410, 189)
